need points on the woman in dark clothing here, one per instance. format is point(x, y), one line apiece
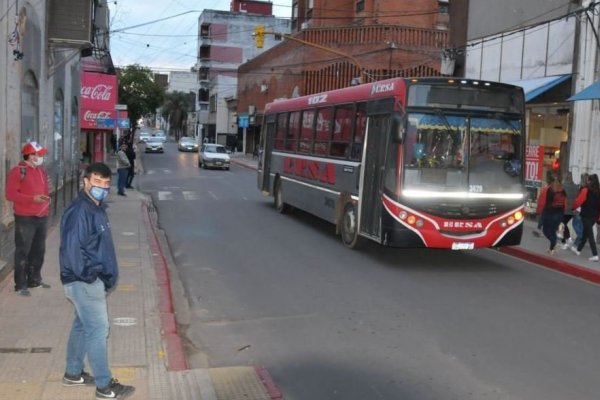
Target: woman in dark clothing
point(589, 201)
point(551, 204)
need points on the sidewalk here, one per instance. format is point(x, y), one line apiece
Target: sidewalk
point(532, 248)
point(144, 348)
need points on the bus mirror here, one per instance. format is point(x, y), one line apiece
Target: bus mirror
point(397, 128)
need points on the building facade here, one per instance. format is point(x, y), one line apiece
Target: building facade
point(40, 50)
point(337, 43)
point(225, 42)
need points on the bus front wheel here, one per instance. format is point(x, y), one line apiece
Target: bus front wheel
point(349, 226)
point(280, 206)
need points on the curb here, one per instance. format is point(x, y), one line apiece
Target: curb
point(552, 263)
point(242, 164)
point(176, 360)
point(268, 382)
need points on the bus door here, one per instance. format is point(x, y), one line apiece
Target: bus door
point(374, 169)
point(264, 159)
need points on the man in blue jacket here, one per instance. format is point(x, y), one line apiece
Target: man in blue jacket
point(88, 271)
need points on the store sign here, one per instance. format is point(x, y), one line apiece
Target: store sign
point(534, 159)
point(98, 100)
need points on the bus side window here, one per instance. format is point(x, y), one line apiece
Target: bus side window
point(323, 131)
point(280, 133)
point(307, 131)
point(342, 130)
point(291, 141)
point(359, 131)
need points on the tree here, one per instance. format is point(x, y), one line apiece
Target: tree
point(175, 109)
point(139, 91)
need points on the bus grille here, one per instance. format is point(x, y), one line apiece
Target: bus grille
point(461, 211)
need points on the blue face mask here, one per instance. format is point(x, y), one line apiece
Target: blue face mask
point(98, 193)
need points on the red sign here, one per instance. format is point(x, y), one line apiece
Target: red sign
point(98, 98)
point(534, 159)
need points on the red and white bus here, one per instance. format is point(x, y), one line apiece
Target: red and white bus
point(427, 162)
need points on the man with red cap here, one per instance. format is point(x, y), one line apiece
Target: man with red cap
point(27, 189)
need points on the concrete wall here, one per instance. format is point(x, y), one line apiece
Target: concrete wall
point(490, 17)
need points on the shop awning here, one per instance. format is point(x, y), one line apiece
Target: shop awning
point(537, 86)
point(591, 92)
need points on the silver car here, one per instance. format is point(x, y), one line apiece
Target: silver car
point(187, 144)
point(213, 155)
point(154, 145)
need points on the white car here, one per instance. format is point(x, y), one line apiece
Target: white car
point(160, 135)
point(154, 145)
point(143, 136)
point(213, 155)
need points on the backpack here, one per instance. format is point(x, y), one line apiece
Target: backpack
point(559, 199)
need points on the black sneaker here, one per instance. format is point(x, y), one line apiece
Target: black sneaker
point(114, 390)
point(78, 380)
point(39, 285)
point(24, 292)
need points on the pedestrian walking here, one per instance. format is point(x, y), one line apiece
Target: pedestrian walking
point(89, 272)
point(572, 190)
point(27, 188)
point(589, 202)
point(122, 169)
point(130, 153)
point(551, 206)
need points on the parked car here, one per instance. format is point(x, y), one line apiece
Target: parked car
point(213, 155)
point(143, 136)
point(187, 144)
point(154, 145)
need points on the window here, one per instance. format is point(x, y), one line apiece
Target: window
point(212, 103)
point(29, 109)
point(280, 132)
point(359, 131)
point(309, 9)
point(306, 136)
point(291, 141)
point(360, 5)
point(342, 130)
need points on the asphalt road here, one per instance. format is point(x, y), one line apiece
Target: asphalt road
point(379, 323)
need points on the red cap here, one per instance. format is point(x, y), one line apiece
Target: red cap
point(34, 148)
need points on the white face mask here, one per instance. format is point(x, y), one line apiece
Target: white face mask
point(39, 161)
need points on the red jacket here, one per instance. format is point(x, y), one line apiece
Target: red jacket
point(22, 184)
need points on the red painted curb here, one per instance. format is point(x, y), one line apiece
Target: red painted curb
point(268, 382)
point(176, 360)
point(552, 263)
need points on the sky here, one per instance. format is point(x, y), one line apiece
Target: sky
point(167, 38)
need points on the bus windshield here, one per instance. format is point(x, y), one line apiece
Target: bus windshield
point(463, 154)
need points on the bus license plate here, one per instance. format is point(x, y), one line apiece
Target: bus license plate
point(463, 246)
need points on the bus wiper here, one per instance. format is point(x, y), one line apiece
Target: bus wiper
point(441, 114)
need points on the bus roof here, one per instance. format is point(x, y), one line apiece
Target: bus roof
point(395, 87)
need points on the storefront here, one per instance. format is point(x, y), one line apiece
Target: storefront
point(98, 115)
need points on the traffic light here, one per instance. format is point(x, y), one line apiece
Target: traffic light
point(259, 36)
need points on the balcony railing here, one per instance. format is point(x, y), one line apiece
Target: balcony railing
point(377, 34)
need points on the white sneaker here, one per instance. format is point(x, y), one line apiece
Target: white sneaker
point(566, 246)
point(574, 250)
point(593, 258)
point(570, 241)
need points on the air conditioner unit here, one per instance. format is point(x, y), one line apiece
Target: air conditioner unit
point(304, 25)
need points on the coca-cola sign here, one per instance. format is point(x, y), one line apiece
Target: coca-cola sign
point(99, 92)
point(98, 100)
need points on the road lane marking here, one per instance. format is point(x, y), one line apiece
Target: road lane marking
point(190, 195)
point(165, 195)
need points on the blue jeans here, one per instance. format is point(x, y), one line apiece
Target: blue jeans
point(122, 174)
point(89, 333)
point(578, 227)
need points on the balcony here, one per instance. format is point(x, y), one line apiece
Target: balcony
point(404, 36)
